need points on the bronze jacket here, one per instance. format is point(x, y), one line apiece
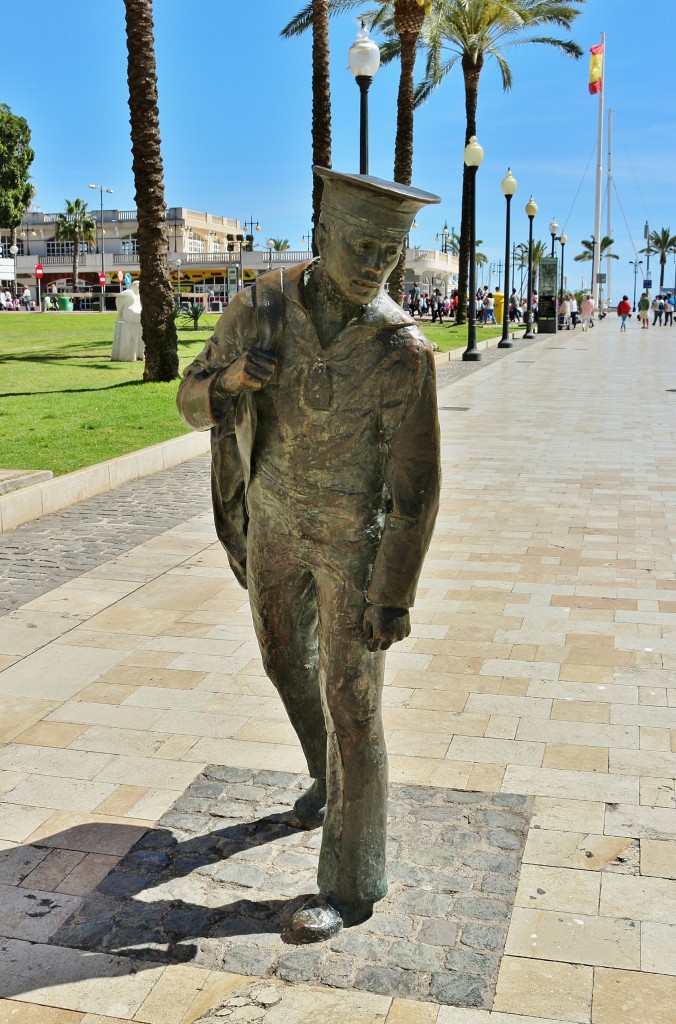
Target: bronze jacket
point(340, 449)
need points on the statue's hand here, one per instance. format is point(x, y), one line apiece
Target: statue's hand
point(384, 626)
point(251, 372)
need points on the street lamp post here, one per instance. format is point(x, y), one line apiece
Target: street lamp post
point(635, 264)
point(13, 250)
point(178, 275)
point(553, 228)
point(306, 240)
point(247, 224)
point(531, 210)
point(508, 186)
point(646, 235)
point(270, 246)
point(102, 189)
point(473, 156)
point(364, 60)
point(563, 238)
point(444, 238)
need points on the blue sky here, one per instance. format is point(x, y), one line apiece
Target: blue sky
point(235, 121)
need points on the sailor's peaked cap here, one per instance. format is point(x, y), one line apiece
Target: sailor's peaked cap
point(371, 202)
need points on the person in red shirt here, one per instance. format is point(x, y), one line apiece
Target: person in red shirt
point(623, 311)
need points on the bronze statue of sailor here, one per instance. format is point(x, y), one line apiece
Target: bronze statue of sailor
point(320, 393)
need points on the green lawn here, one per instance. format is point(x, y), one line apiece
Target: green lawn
point(65, 405)
point(447, 336)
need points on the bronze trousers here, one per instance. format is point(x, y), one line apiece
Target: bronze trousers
point(308, 604)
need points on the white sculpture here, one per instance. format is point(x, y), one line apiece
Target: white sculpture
point(127, 340)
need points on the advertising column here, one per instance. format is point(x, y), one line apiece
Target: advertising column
point(548, 287)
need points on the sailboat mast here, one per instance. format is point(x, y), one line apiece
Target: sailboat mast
point(609, 227)
point(599, 179)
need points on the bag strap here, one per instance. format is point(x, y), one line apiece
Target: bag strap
point(268, 301)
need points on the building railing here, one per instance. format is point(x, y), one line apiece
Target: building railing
point(67, 260)
point(205, 257)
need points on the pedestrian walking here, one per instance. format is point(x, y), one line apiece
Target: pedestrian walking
point(437, 306)
point(489, 309)
point(574, 317)
point(658, 309)
point(643, 308)
point(624, 311)
point(668, 310)
point(587, 312)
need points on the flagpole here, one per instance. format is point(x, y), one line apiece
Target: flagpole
point(609, 189)
point(599, 179)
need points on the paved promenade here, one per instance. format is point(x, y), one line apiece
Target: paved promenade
point(531, 716)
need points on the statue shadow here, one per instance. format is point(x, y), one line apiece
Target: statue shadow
point(122, 919)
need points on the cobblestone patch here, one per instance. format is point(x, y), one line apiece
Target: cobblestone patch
point(220, 876)
point(44, 554)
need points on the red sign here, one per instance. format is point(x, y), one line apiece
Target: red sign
point(102, 279)
point(38, 270)
point(120, 275)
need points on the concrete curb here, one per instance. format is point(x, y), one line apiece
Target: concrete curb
point(30, 503)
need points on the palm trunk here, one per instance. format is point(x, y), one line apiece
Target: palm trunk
point(663, 264)
point(76, 261)
point(408, 21)
point(321, 105)
point(471, 72)
point(157, 315)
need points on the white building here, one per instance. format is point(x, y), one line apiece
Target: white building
point(207, 254)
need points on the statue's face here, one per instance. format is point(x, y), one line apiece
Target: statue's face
point(357, 261)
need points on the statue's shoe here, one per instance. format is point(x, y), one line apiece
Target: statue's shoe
point(321, 918)
point(317, 921)
point(309, 809)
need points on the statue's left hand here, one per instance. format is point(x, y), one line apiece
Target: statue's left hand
point(384, 626)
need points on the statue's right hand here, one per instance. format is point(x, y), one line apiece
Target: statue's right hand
point(250, 372)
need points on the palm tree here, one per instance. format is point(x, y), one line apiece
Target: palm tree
point(467, 32)
point(588, 246)
point(316, 16)
point(405, 19)
point(540, 250)
point(408, 17)
point(157, 315)
point(76, 226)
point(453, 243)
point(280, 244)
point(663, 242)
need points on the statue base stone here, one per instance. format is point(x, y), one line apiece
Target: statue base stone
point(219, 877)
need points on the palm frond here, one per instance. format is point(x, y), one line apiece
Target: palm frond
point(303, 20)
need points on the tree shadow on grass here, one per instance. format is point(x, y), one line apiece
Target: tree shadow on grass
point(71, 391)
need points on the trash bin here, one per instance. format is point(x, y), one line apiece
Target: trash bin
point(499, 300)
point(45, 303)
point(65, 303)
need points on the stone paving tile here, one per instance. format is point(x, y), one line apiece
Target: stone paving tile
point(217, 880)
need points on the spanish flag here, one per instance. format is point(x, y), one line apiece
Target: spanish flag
point(596, 69)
